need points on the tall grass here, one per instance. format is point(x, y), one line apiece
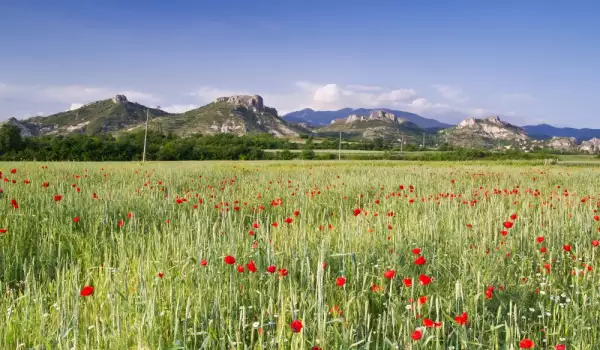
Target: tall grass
point(456, 219)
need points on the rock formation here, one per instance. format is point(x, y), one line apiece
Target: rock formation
point(246, 101)
point(120, 99)
point(590, 146)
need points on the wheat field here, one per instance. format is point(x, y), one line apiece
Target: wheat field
point(298, 255)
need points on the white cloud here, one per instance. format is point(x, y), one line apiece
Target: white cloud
point(75, 106)
point(179, 108)
point(69, 93)
point(452, 93)
point(364, 88)
point(329, 93)
point(400, 95)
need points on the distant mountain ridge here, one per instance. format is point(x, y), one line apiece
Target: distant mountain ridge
point(317, 118)
point(548, 131)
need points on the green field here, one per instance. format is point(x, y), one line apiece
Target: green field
point(361, 255)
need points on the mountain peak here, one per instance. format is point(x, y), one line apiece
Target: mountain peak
point(247, 101)
point(120, 99)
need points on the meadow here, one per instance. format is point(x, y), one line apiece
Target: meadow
point(298, 255)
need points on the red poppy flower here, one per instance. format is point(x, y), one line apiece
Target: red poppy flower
point(416, 335)
point(540, 239)
point(407, 282)
point(14, 203)
point(430, 324)
point(13, 171)
point(595, 243)
point(203, 262)
point(229, 260)
point(389, 274)
point(275, 224)
point(416, 251)
point(597, 217)
point(296, 326)
point(283, 272)
point(422, 300)
point(526, 344)
point(424, 280)
point(255, 225)
point(3, 230)
point(513, 217)
point(567, 247)
point(120, 224)
point(288, 220)
point(508, 224)
point(240, 268)
point(340, 281)
point(357, 211)
point(296, 212)
point(462, 319)
point(160, 275)
point(375, 288)
point(86, 291)
point(76, 219)
point(420, 260)
point(57, 198)
point(560, 347)
point(251, 266)
point(504, 232)
point(271, 269)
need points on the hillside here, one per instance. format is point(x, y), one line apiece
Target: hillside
point(317, 118)
point(94, 118)
point(235, 114)
point(486, 133)
point(378, 124)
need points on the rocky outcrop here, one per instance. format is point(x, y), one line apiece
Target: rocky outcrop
point(383, 115)
point(246, 101)
point(120, 99)
point(493, 128)
point(590, 146)
point(25, 130)
point(562, 143)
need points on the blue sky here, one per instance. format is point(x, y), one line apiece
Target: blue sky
point(527, 61)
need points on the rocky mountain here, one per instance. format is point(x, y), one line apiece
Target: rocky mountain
point(486, 132)
point(104, 116)
point(543, 131)
point(318, 118)
point(234, 114)
point(377, 124)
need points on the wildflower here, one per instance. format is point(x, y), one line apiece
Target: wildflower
point(407, 282)
point(160, 275)
point(462, 319)
point(416, 335)
point(76, 219)
point(420, 260)
point(296, 326)
point(340, 281)
point(389, 274)
point(526, 344)
point(229, 260)
point(203, 262)
point(57, 198)
point(508, 224)
point(424, 280)
point(271, 269)
point(251, 266)
point(86, 291)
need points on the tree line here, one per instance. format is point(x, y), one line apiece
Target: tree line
point(163, 147)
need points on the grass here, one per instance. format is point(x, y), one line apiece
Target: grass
point(455, 214)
